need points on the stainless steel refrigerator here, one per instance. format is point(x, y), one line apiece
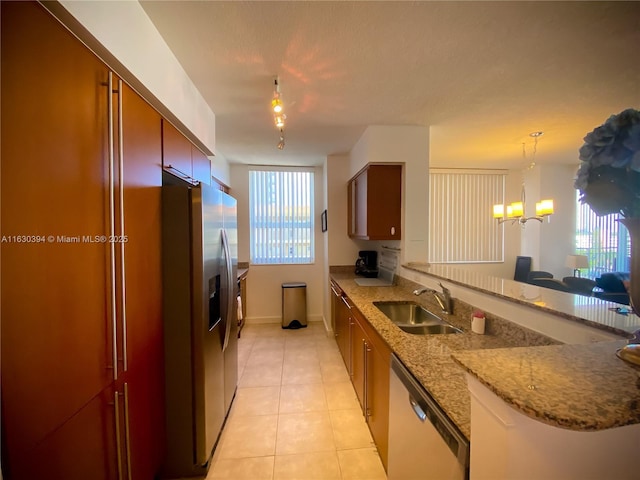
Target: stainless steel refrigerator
point(200, 320)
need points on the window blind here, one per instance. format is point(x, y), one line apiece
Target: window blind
point(602, 240)
point(281, 216)
point(461, 225)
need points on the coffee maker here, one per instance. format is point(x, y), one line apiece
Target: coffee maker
point(367, 263)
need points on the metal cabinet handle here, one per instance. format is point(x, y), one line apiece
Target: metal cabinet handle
point(365, 380)
point(187, 177)
point(112, 258)
point(123, 282)
point(118, 443)
point(127, 436)
point(367, 410)
point(420, 413)
point(346, 302)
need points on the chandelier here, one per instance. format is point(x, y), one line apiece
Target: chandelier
point(515, 211)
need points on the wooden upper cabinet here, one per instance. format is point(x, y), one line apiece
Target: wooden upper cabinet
point(375, 203)
point(176, 151)
point(183, 158)
point(201, 166)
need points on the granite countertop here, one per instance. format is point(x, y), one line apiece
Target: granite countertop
point(242, 272)
point(439, 362)
point(428, 357)
point(591, 311)
point(578, 387)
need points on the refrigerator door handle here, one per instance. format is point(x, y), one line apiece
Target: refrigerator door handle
point(229, 299)
point(123, 282)
point(112, 251)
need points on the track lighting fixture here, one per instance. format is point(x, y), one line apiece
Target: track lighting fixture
point(276, 103)
point(278, 111)
point(279, 119)
point(281, 142)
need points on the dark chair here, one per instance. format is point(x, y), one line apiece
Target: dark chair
point(552, 283)
point(538, 274)
point(580, 286)
point(523, 267)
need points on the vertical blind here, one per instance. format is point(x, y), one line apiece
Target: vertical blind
point(281, 216)
point(602, 240)
point(461, 225)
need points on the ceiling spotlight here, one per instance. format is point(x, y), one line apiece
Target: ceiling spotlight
point(281, 142)
point(276, 103)
point(279, 119)
point(278, 115)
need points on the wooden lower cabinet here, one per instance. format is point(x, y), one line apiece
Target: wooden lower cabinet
point(371, 358)
point(368, 358)
point(64, 293)
point(82, 447)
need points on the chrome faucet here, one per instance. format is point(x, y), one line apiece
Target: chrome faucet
point(443, 299)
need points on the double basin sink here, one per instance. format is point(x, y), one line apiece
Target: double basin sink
point(413, 318)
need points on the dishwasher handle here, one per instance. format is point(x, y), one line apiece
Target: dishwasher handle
point(417, 409)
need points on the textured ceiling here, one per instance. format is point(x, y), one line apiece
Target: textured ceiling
point(483, 75)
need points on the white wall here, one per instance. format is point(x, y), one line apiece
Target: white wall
point(550, 242)
point(408, 145)
point(558, 239)
point(264, 282)
point(341, 249)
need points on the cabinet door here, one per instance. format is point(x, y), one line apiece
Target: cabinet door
point(201, 165)
point(384, 202)
point(56, 346)
point(375, 203)
point(343, 330)
point(371, 380)
point(142, 181)
point(176, 151)
point(84, 447)
point(378, 398)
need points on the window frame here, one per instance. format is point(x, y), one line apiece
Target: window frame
point(276, 233)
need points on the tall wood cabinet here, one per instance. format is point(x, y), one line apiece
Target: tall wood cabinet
point(81, 338)
point(375, 203)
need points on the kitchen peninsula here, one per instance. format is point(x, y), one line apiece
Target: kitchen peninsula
point(568, 388)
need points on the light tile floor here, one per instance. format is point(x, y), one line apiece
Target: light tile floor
point(295, 415)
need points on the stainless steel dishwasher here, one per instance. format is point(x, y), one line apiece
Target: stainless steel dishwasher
point(423, 442)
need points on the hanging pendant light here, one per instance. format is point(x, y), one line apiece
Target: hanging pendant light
point(515, 211)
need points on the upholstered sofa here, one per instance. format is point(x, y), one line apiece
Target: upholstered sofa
point(610, 286)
